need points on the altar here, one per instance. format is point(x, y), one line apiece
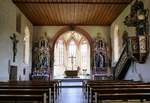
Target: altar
point(71, 73)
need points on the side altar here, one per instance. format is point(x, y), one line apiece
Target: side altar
point(41, 59)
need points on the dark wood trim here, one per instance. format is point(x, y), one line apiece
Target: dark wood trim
point(56, 2)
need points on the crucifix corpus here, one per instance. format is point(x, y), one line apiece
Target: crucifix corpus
point(14, 41)
point(72, 62)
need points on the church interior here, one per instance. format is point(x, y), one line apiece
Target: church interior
point(92, 51)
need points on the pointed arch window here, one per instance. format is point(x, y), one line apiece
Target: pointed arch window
point(116, 43)
point(59, 53)
point(72, 53)
point(84, 54)
point(26, 45)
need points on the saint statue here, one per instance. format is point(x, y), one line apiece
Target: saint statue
point(99, 60)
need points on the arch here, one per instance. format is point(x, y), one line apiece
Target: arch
point(80, 31)
point(77, 29)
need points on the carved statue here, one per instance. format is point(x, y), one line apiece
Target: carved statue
point(99, 60)
point(98, 51)
point(15, 41)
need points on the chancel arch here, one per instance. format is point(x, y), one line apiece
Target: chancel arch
point(76, 53)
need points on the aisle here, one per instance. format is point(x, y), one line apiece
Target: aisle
point(71, 94)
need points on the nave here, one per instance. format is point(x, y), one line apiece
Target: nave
point(49, 47)
point(70, 94)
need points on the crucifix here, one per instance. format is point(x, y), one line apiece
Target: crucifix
point(15, 41)
point(72, 62)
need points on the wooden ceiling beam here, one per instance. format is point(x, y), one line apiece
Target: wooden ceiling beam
point(54, 2)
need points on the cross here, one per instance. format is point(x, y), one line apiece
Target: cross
point(15, 41)
point(72, 57)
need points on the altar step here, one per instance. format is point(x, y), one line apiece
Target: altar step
point(71, 84)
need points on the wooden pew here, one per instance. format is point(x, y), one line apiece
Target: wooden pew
point(105, 84)
point(88, 83)
point(121, 96)
point(99, 87)
point(113, 91)
point(24, 95)
point(32, 85)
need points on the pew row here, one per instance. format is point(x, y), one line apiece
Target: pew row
point(116, 90)
point(50, 87)
point(39, 95)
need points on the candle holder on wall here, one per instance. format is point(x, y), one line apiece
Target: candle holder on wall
point(138, 18)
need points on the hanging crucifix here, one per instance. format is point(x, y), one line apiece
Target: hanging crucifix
point(72, 61)
point(14, 41)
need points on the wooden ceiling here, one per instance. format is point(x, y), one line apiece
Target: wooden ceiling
point(71, 12)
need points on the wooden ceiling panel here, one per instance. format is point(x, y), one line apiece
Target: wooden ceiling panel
point(73, 1)
point(72, 12)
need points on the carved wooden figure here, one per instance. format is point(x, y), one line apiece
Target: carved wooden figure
point(15, 41)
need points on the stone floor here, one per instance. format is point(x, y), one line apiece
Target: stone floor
point(71, 95)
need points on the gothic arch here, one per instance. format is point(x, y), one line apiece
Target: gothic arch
point(77, 29)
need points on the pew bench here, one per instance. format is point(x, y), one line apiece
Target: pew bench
point(121, 96)
point(112, 87)
point(104, 93)
point(39, 95)
point(89, 83)
point(18, 85)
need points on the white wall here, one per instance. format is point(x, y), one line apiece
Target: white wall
point(137, 71)
point(7, 27)
point(52, 30)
